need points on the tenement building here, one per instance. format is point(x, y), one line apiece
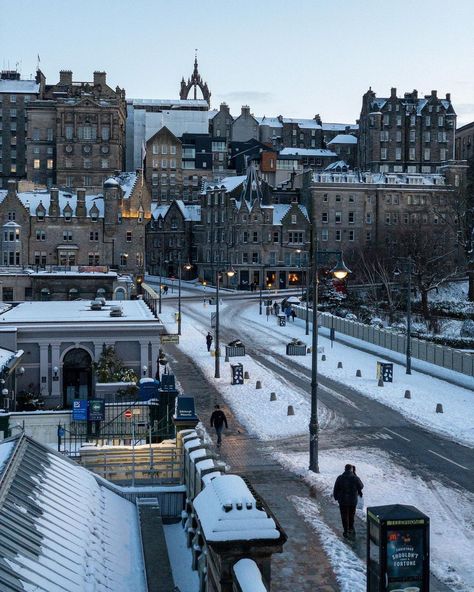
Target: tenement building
point(410, 134)
point(76, 133)
point(465, 142)
point(55, 228)
point(15, 96)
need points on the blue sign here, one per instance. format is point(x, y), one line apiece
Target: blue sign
point(96, 410)
point(185, 408)
point(61, 432)
point(79, 410)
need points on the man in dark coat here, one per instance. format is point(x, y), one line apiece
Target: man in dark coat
point(208, 341)
point(218, 420)
point(347, 488)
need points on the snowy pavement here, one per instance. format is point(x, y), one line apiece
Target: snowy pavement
point(386, 480)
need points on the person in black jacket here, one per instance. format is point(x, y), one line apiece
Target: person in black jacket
point(347, 488)
point(218, 420)
point(209, 340)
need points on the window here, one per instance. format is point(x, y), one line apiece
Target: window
point(325, 197)
point(164, 149)
point(255, 236)
point(351, 199)
point(68, 129)
point(368, 218)
point(412, 120)
point(36, 163)
point(11, 215)
point(164, 163)
point(245, 257)
point(49, 163)
point(427, 136)
point(68, 163)
point(398, 153)
point(411, 154)
point(440, 120)
point(105, 163)
point(443, 153)
point(172, 149)
point(324, 234)
point(338, 235)
point(67, 215)
point(12, 98)
point(442, 137)
point(324, 217)
point(245, 237)
point(427, 154)
point(12, 167)
point(254, 257)
point(399, 122)
point(123, 259)
point(387, 218)
point(129, 236)
point(173, 163)
point(351, 235)
point(383, 154)
point(427, 121)
point(338, 198)
point(86, 132)
point(12, 113)
point(338, 217)
point(412, 136)
point(67, 235)
point(87, 163)
point(155, 149)
point(69, 181)
point(94, 236)
point(87, 181)
point(40, 215)
point(40, 235)
point(275, 237)
point(36, 134)
point(94, 258)
point(295, 237)
point(293, 218)
point(351, 216)
point(49, 134)
point(105, 132)
point(368, 236)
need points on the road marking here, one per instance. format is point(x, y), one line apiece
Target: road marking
point(396, 434)
point(449, 460)
point(379, 436)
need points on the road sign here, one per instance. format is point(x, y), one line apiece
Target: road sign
point(128, 413)
point(96, 410)
point(79, 410)
point(169, 338)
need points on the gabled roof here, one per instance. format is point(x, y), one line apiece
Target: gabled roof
point(281, 210)
point(343, 139)
point(306, 152)
point(228, 184)
point(62, 531)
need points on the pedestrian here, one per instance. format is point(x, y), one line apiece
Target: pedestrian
point(165, 290)
point(288, 313)
point(276, 306)
point(218, 420)
point(209, 340)
point(347, 488)
point(293, 314)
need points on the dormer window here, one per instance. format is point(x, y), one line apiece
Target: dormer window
point(140, 215)
point(40, 214)
point(67, 213)
point(94, 214)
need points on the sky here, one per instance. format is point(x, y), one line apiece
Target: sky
point(295, 58)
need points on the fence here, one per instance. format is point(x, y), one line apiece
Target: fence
point(446, 357)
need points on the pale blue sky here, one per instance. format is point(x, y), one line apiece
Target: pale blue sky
point(295, 58)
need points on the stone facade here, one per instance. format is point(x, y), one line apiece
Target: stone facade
point(409, 134)
point(76, 133)
point(15, 96)
point(465, 142)
point(220, 126)
point(245, 126)
point(56, 228)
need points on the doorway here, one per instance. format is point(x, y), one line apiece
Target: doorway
point(77, 376)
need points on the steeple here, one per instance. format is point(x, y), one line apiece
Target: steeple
point(194, 82)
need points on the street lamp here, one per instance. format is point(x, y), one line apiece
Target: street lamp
point(187, 267)
point(408, 269)
point(230, 273)
point(339, 271)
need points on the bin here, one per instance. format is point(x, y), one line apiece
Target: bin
point(233, 351)
point(237, 373)
point(281, 320)
point(292, 349)
point(385, 371)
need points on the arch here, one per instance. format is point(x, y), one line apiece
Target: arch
point(76, 364)
point(119, 293)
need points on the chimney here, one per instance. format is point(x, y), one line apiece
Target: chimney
point(434, 94)
point(54, 202)
point(65, 77)
point(393, 93)
point(99, 78)
point(245, 110)
point(448, 96)
point(224, 107)
point(12, 186)
point(81, 203)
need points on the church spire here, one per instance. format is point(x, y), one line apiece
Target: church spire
point(195, 82)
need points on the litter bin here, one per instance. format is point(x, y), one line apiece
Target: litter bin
point(237, 373)
point(385, 371)
point(176, 316)
point(281, 320)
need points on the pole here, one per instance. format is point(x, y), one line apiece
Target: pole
point(159, 296)
point(179, 298)
point(408, 362)
point(217, 368)
point(260, 301)
point(313, 422)
point(133, 451)
point(307, 302)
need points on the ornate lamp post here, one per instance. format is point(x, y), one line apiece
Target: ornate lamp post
point(230, 273)
point(340, 271)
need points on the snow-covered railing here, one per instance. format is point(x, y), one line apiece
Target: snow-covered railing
point(440, 355)
point(248, 577)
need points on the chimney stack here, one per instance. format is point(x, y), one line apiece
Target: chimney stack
point(434, 94)
point(393, 93)
point(12, 187)
point(54, 202)
point(245, 110)
point(99, 78)
point(448, 96)
point(65, 77)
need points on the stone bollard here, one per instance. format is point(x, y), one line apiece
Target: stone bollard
point(339, 364)
point(308, 350)
point(246, 375)
point(273, 397)
point(439, 408)
point(258, 384)
point(380, 382)
point(358, 373)
point(407, 394)
point(323, 358)
point(290, 411)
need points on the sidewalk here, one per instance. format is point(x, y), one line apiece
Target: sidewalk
point(302, 566)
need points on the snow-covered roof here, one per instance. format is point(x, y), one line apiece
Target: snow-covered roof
point(338, 165)
point(414, 179)
point(65, 533)
point(306, 152)
point(5, 356)
point(270, 121)
point(74, 311)
point(228, 183)
point(280, 211)
point(19, 87)
point(303, 123)
point(191, 213)
point(169, 102)
point(227, 511)
point(343, 139)
point(339, 127)
point(212, 113)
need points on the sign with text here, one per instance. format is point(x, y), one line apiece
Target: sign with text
point(169, 338)
point(79, 410)
point(97, 410)
point(185, 408)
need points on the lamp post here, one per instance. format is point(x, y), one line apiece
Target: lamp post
point(187, 267)
point(340, 271)
point(230, 273)
point(408, 269)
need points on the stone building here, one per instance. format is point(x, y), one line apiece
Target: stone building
point(345, 146)
point(465, 142)
point(410, 134)
point(59, 228)
point(15, 96)
point(245, 126)
point(220, 124)
point(76, 133)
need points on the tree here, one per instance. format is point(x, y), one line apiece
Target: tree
point(110, 368)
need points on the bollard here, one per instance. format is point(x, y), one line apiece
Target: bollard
point(380, 382)
point(323, 358)
point(273, 397)
point(258, 384)
point(290, 411)
point(339, 364)
point(358, 373)
point(407, 394)
point(439, 408)
point(246, 375)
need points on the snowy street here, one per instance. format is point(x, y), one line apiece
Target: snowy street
point(390, 439)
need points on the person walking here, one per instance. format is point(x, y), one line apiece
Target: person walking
point(218, 420)
point(347, 488)
point(209, 340)
point(293, 314)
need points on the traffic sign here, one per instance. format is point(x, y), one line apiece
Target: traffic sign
point(96, 410)
point(79, 410)
point(169, 338)
point(128, 413)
